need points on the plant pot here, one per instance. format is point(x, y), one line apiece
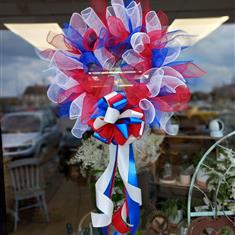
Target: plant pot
point(202, 177)
point(185, 179)
point(177, 218)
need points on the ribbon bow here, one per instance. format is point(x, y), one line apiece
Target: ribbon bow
point(115, 121)
point(118, 123)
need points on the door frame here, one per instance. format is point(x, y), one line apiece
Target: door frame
point(2, 191)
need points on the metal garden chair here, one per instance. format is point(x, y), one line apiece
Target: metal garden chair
point(25, 176)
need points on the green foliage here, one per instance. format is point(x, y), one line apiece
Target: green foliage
point(139, 233)
point(171, 206)
point(118, 196)
point(221, 177)
point(226, 231)
point(196, 158)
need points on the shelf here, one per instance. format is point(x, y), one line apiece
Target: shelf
point(172, 185)
point(177, 185)
point(212, 213)
point(184, 136)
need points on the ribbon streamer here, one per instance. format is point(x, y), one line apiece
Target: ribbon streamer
point(119, 126)
point(131, 207)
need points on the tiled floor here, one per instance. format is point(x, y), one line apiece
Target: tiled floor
point(68, 205)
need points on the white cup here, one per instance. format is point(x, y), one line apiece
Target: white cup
point(216, 127)
point(216, 134)
point(173, 129)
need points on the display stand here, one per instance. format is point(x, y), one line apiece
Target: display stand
point(213, 211)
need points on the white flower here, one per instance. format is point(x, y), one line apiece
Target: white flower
point(147, 150)
point(93, 155)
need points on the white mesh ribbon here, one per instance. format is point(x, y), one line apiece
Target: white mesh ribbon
point(63, 81)
point(110, 12)
point(174, 48)
point(168, 77)
point(152, 22)
point(75, 110)
point(106, 59)
point(45, 55)
point(54, 92)
point(148, 109)
point(79, 129)
point(134, 12)
point(153, 80)
point(131, 57)
point(172, 79)
point(59, 84)
point(164, 122)
point(183, 38)
point(138, 41)
point(92, 20)
point(164, 119)
point(78, 23)
point(172, 83)
point(64, 61)
point(117, 2)
point(118, 9)
point(59, 91)
point(169, 71)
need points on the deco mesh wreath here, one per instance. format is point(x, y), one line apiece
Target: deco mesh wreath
point(118, 74)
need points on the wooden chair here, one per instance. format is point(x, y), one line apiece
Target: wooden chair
point(25, 176)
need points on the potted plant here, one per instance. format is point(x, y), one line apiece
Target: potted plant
point(202, 175)
point(173, 209)
point(221, 179)
point(186, 170)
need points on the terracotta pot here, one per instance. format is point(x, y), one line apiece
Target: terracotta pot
point(216, 226)
point(202, 177)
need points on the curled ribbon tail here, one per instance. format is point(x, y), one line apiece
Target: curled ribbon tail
point(103, 190)
point(127, 170)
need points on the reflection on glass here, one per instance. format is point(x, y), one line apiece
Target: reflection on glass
point(25, 79)
point(20, 124)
